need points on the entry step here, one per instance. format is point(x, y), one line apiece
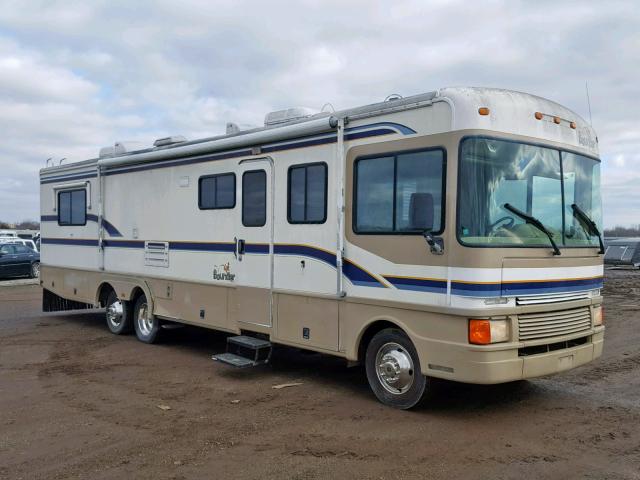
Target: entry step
point(235, 360)
point(245, 351)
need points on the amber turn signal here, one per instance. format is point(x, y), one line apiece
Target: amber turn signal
point(479, 332)
point(539, 116)
point(598, 315)
point(483, 111)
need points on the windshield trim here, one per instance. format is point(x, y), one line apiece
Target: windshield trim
point(560, 150)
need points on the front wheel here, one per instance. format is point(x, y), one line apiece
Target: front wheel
point(393, 369)
point(146, 323)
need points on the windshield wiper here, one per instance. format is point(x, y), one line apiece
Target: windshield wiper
point(536, 223)
point(590, 225)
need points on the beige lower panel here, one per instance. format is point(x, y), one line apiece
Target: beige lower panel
point(319, 315)
point(439, 338)
point(205, 305)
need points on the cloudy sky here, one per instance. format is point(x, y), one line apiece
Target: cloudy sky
point(75, 76)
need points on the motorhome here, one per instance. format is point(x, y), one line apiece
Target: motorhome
point(453, 234)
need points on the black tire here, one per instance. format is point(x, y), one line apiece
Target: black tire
point(402, 368)
point(146, 324)
point(35, 270)
point(118, 315)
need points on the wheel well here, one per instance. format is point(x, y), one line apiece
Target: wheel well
point(103, 294)
point(137, 292)
point(370, 332)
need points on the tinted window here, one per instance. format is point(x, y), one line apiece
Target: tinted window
point(386, 186)
point(72, 207)
point(7, 249)
point(308, 193)
point(217, 191)
point(254, 198)
point(22, 249)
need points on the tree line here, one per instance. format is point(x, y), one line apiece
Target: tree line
point(619, 231)
point(23, 225)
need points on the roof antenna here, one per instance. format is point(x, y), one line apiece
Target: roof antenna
point(586, 86)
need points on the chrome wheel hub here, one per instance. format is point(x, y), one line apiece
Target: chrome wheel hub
point(35, 269)
point(115, 312)
point(394, 368)
point(145, 321)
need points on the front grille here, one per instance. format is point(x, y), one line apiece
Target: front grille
point(534, 326)
point(551, 298)
point(538, 349)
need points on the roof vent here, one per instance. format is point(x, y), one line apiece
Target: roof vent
point(163, 142)
point(288, 115)
point(119, 148)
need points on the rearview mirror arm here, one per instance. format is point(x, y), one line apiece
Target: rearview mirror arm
point(435, 244)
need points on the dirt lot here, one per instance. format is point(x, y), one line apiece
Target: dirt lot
point(78, 402)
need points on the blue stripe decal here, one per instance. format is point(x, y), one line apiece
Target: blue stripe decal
point(306, 251)
point(524, 287)
point(203, 246)
point(557, 286)
point(418, 284)
point(124, 243)
point(351, 133)
point(70, 241)
point(257, 248)
point(398, 126)
point(111, 230)
point(354, 273)
point(358, 276)
point(476, 289)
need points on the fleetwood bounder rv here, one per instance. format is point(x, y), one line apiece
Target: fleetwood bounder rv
point(453, 234)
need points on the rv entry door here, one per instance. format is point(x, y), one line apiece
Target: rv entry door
point(252, 262)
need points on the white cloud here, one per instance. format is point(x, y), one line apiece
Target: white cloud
point(78, 75)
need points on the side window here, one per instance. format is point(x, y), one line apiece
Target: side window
point(72, 207)
point(254, 198)
point(307, 193)
point(217, 191)
point(22, 249)
point(401, 193)
point(7, 249)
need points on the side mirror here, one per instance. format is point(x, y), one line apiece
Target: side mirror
point(421, 213)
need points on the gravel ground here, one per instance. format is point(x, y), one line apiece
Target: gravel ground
point(78, 402)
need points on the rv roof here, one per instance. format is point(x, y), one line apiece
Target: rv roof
point(465, 114)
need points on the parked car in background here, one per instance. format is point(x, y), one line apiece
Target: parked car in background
point(21, 241)
point(18, 261)
point(8, 234)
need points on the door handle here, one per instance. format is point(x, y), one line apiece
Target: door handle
point(239, 248)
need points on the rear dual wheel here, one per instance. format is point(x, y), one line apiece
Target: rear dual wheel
point(146, 324)
point(393, 370)
point(118, 315)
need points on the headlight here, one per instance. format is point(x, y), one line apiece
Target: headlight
point(484, 332)
point(598, 315)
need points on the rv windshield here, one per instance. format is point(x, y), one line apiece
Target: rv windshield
point(542, 182)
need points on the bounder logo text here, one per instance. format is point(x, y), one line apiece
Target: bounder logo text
point(223, 272)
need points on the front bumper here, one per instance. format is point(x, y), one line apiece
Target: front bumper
point(502, 363)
